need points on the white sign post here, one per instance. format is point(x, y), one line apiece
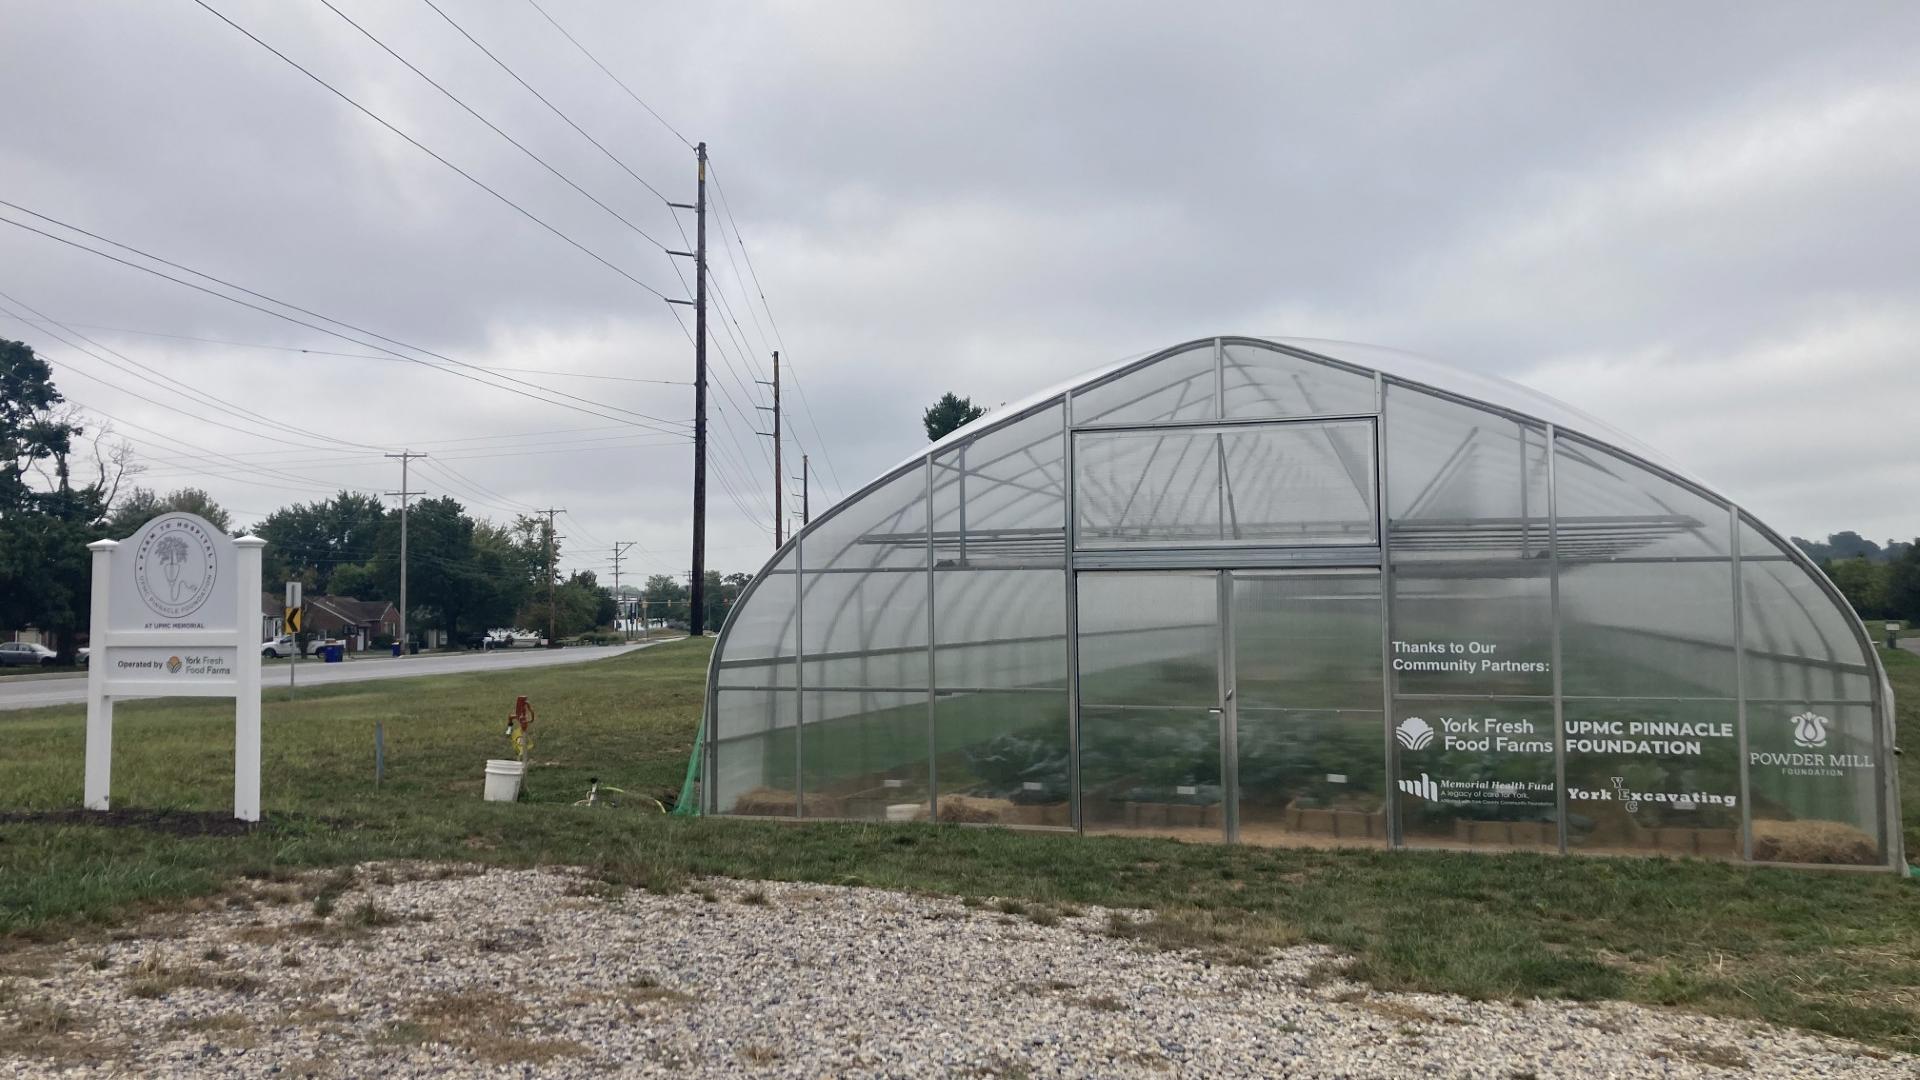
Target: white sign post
point(176, 613)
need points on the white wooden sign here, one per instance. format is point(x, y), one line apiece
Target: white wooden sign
point(176, 613)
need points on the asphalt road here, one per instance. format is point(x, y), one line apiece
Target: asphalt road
point(31, 692)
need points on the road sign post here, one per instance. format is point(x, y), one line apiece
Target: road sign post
point(291, 625)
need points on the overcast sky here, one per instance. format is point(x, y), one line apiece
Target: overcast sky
point(1697, 222)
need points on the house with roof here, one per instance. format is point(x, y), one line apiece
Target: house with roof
point(357, 622)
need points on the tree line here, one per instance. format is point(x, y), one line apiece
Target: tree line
point(1880, 582)
point(65, 482)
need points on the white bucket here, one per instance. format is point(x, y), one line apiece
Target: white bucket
point(503, 779)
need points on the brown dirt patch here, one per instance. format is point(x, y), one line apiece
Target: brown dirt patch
point(170, 822)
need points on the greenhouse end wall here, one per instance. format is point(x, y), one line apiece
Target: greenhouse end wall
point(1250, 591)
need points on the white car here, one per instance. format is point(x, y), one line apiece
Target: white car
point(282, 647)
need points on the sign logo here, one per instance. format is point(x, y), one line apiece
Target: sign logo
point(1627, 797)
point(1414, 734)
point(175, 567)
point(173, 665)
point(1423, 787)
point(1810, 730)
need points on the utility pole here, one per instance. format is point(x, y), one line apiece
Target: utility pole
point(806, 489)
point(619, 602)
point(550, 539)
point(405, 456)
point(696, 625)
point(778, 523)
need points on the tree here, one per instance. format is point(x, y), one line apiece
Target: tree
point(583, 604)
point(505, 572)
point(665, 598)
point(1865, 585)
point(1903, 585)
point(308, 542)
point(142, 505)
point(949, 413)
point(45, 568)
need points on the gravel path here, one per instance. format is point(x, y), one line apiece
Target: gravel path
point(448, 971)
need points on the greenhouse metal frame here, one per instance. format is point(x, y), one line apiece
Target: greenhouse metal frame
point(1307, 593)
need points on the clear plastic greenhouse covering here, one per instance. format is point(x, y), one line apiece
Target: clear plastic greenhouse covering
point(1307, 593)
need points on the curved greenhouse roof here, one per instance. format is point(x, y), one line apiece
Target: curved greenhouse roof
point(1299, 592)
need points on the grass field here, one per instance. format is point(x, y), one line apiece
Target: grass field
point(1829, 951)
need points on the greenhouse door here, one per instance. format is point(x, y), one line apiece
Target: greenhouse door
point(1307, 715)
point(1243, 704)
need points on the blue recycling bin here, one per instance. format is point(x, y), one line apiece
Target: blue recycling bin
point(396, 648)
point(335, 653)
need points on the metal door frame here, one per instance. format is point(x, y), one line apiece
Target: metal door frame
point(1226, 707)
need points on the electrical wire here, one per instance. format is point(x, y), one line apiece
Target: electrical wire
point(451, 370)
point(543, 100)
point(476, 181)
point(451, 96)
point(278, 429)
point(344, 355)
point(726, 208)
point(603, 69)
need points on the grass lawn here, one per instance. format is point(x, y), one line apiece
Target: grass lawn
point(1829, 951)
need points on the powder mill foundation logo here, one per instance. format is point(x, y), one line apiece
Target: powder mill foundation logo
point(1810, 730)
point(175, 567)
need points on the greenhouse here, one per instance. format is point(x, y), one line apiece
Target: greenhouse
point(1307, 593)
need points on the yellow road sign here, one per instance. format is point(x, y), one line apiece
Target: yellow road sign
point(293, 620)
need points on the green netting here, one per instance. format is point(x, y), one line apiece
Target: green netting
point(688, 805)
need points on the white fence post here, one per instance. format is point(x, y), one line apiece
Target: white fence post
point(246, 664)
point(99, 766)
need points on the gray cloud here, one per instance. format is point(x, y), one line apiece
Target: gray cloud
point(1691, 222)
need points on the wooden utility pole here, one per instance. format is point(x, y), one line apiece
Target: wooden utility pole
point(619, 602)
point(551, 611)
point(696, 621)
point(405, 456)
point(806, 489)
point(778, 477)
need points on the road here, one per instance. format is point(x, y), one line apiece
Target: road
point(32, 692)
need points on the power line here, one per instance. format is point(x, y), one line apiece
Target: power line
point(483, 442)
point(543, 100)
point(277, 427)
point(774, 323)
point(603, 69)
point(344, 355)
point(305, 483)
point(451, 96)
point(376, 117)
point(441, 467)
point(311, 326)
point(173, 409)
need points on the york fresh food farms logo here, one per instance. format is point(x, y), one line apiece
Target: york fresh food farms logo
point(175, 567)
point(1810, 730)
point(173, 665)
point(1414, 734)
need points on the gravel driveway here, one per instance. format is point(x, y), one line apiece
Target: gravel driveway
point(449, 971)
